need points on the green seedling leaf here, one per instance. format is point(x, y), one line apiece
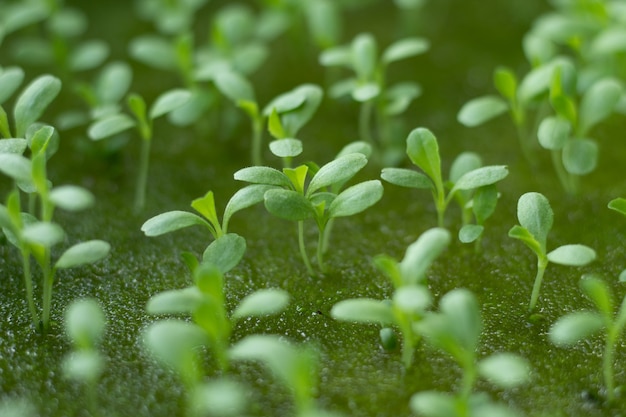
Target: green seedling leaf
point(10, 80)
point(412, 299)
point(39, 138)
point(406, 178)
point(364, 56)
point(484, 202)
point(234, 86)
point(225, 252)
point(356, 199)
point(618, 204)
point(286, 102)
point(67, 23)
point(363, 310)
point(343, 88)
point(14, 146)
point(521, 233)
point(622, 276)
point(423, 150)
point(247, 58)
point(535, 215)
point(506, 83)
point(294, 120)
point(400, 96)
point(572, 328)
point(154, 51)
point(366, 92)
point(470, 232)
point(390, 267)
point(422, 253)
point(43, 233)
point(286, 148)
point(184, 301)
point(288, 205)
point(33, 102)
point(598, 103)
point(85, 323)
point(263, 175)
point(171, 221)
point(580, 156)
point(434, 404)
point(205, 205)
point(222, 397)
point(404, 48)
point(572, 255)
point(297, 177)
point(89, 55)
point(337, 171)
point(17, 167)
point(479, 110)
point(113, 82)
point(71, 198)
point(461, 309)
point(83, 253)
point(537, 49)
point(275, 126)
point(464, 163)
point(83, 366)
point(110, 126)
point(480, 177)
point(324, 21)
point(338, 56)
point(242, 199)
point(173, 342)
point(538, 80)
point(262, 303)
point(554, 132)
point(169, 101)
point(505, 370)
point(598, 292)
point(23, 14)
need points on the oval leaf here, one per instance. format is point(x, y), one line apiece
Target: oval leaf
point(113, 82)
point(18, 167)
point(288, 205)
point(184, 301)
point(461, 308)
point(43, 233)
point(505, 370)
point(433, 404)
point(363, 310)
point(286, 148)
point(422, 253)
point(88, 55)
point(412, 299)
point(110, 126)
point(262, 175)
point(580, 156)
point(15, 146)
point(154, 51)
point(10, 79)
point(225, 252)
point(171, 221)
point(234, 86)
point(338, 171)
point(33, 102)
point(262, 303)
point(574, 327)
point(71, 198)
point(83, 253)
point(84, 322)
point(619, 205)
point(356, 199)
point(423, 150)
point(169, 101)
point(554, 132)
point(172, 342)
point(535, 215)
point(598, 103)
point(242, 199)
point(470, 232)
point(405, 48)
point(479, 110)
point(572, 255)
point(480, 177)
point(406, 178)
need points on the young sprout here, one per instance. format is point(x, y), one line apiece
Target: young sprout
point(85, 324)
point(411, 297)
point(423, 150)
point(142, 120)
point(536, 217)
point(291, 198)
point(619, 205)
point(574, 327)
point(369, 86)
point(293, 366)
point(456, 330)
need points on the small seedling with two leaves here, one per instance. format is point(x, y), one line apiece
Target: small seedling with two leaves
point(619, 205)
point(143, 121)
point(411, 298)
point(84, 325)
point(536, 218)
point(456, 330)
point(369, 86)
point(291, 198)
point(423, 150)
point(574, 327)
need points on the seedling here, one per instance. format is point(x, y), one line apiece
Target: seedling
point(85, 324)
point(536, 217)
point(143, 122)
point(423, 150)
point(411, 298)
point(456, 330)
point(369, 86)
point(576, 326)
point(619, 205)
point(290, 198)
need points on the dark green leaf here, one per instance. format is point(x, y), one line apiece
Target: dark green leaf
point(171, 221)
point(288, 205)
point(33, 101)
point(225, 252)
point(580, 156)
point(479, 110)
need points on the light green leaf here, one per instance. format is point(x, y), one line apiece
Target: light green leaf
point(337, 171)
point(169, 101)
point(521, 233)
point(262, 303)
point(598, 291)
point(225, 252)
point(423, 150)
point(535, 215)
point(285, 102)
point(505, 81)
point(339, 56)
point(406, 178)
point(18, 167)
point(538, 80)
point(480, 177)
point(342, 88)
point(234, 86)
point(610, 41)
point(356, 199)
point(286, 147)
point(412, 299)
point(43, 233)
point(242, 199)
point(113, 82)
point(363, 310)
point(619, 205)
point(598, 103)
point(183, 301)
point(364, 56)
point(399, 96)
point(71, 198)
point(324, 21)
point(479, 110)
point(461, 309)
point(154, 51)
point(85, 322)
point(622, 276)
point(574, 327)
point(470, 232)
point(14, 146)
point(358, 146)
point(537, 49)
point(171, 221)
point(221, 397)
point(295, 119)
point(434, 404)
point(88, 55)
point(205, 205)
point(263, 175)
point(366, 92)
point(288, 205)
point(83, 253)
point(110, 126)
point(405, 48)
point(422, 253)
point(572, 255)
point(580, 156)
point(33, 101)
point(173, 343)
point(464, 163)
point(505, 370)
point(554, 132)
point(84, 366)
point(10, 80)
point(484, 202)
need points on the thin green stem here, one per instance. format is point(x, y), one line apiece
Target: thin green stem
point(365, 116)
point(142, 175)
point(320, 248)
point(305, 257)
point(542, 263)
point(607, 363)
point(327, 233)
point(257, 137)
point(564, 177)
point(469, 378)
point(47, 281)
point(440, 204)
point(28, 281)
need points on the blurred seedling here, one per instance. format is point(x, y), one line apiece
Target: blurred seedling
point(369, 86)
point(423, 150)
point(291, 198)
point(411, 298)
point(456, 330)
point(579, 325)
point(143, 120)
point(619, 205)
point(85, 325)
point(536, 217)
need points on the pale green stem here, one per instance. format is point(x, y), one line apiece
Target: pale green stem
point(305, 257)
point(28, 281)
point(607, 363)
point(48, 280)
point(523, 141)
point(564, 177)
point(320, 248)
point(328, 232)
point(440, 205)
point(142, 175)
point(365, 117)
point(257, 136)
point(542, 263)
point(408, 347)
point(469, 378)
